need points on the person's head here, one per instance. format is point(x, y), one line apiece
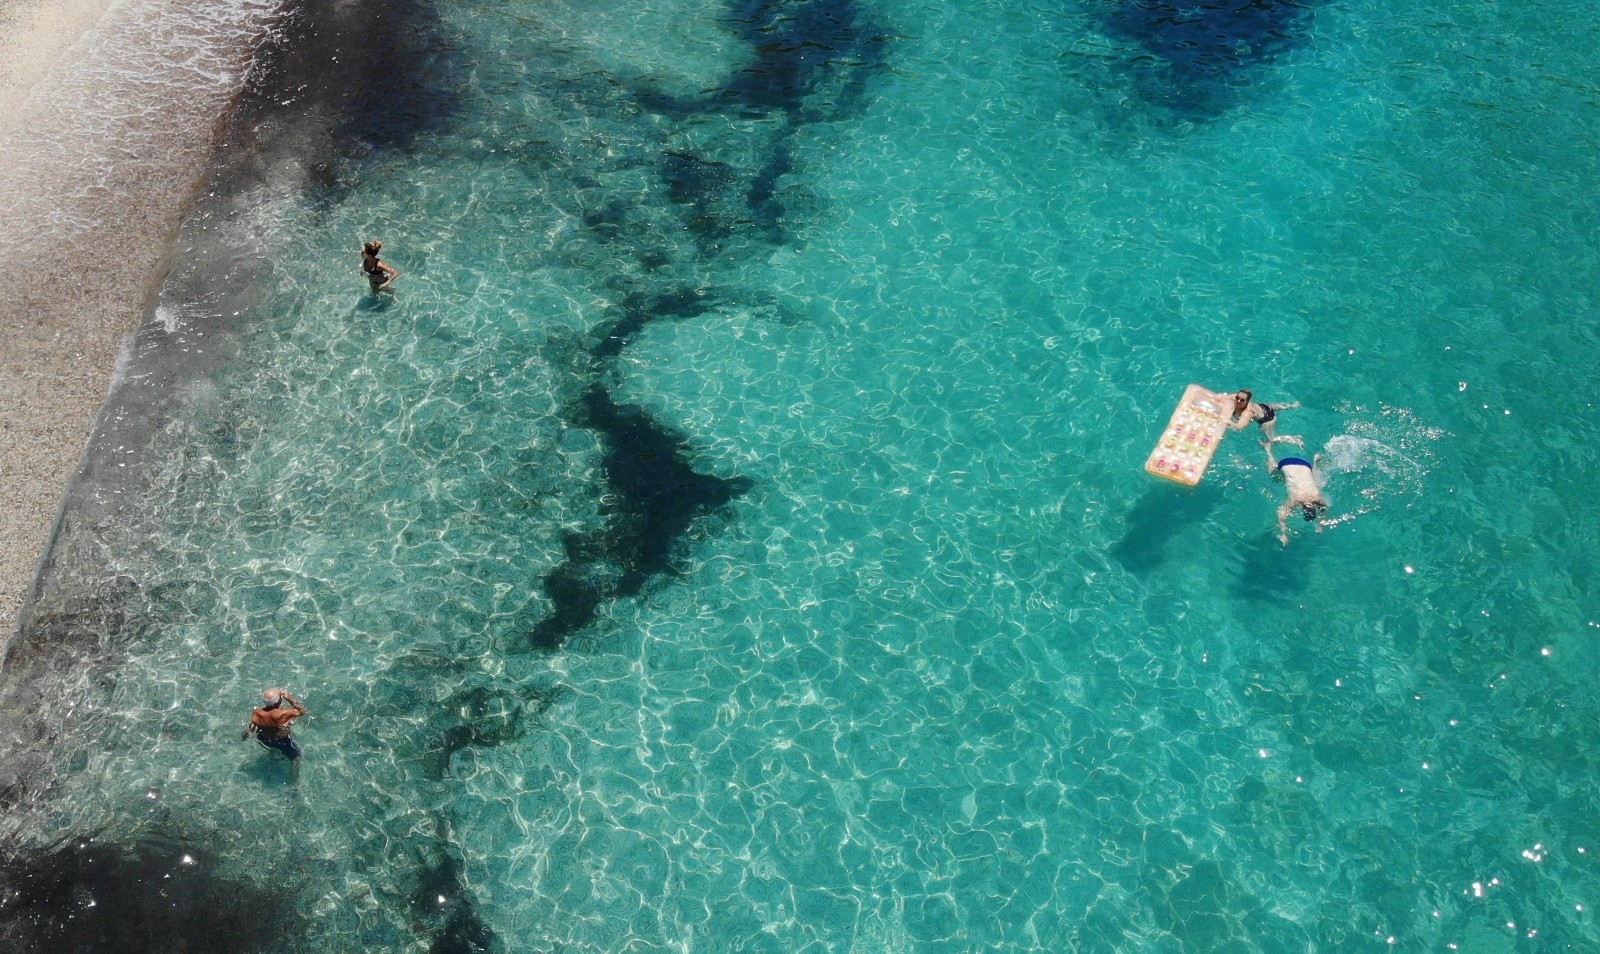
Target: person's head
point(1242, 399)
point(271, 699)
point(1313, 511)
point(372, 248)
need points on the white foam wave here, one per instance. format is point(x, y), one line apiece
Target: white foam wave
point(118, 128)
point(168, 316)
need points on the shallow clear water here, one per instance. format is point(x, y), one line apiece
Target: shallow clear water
point(916, 656)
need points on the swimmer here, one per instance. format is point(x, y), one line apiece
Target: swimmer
point(379, 274)
point(269, 722)
point(1304, 485)
point(1246, 410)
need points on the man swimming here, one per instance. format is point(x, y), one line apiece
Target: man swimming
point(269, 722)
point(1246, 410)
point(1303, 482)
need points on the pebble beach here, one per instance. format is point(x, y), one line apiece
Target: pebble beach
point(98, 161)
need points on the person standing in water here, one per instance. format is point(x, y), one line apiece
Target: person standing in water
point(1303, 482)
point(269, 722)
point(379, 274)
point(1246, 410)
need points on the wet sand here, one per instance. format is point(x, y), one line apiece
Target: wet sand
point(99, 160)
point(57, 353)
point(34, 35)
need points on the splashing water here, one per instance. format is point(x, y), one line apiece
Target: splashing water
point(1372, 470)
point(1349, 454)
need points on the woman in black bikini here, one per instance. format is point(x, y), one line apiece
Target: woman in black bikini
point(379, 274)
point(1246, 410)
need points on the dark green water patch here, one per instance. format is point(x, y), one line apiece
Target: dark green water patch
point(799, 49)
point(639, 309)
point(338, 81)
point(481, 712)
point(811, 60)
point(444, 908)
point(162, 893)
point(1197, 54)
point(487, 715)
point(64, 630)
point(654, 499)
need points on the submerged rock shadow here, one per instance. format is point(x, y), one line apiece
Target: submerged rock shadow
point(655, 499)
point(445, 908)
point(1198, 53)
point(161, 893)
point(811, 61)
point(337, 82)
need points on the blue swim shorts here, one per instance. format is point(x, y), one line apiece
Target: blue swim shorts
point(285, 745)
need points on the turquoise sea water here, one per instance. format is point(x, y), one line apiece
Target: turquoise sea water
point(732, 534)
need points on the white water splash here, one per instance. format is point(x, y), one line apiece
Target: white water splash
point(1379, 460)
point(1348, 454)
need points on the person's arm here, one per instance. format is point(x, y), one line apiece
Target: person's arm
point(389, 270)
point(1239, 420)
point(250, 729)
point(1283, 521)
point(294, 703)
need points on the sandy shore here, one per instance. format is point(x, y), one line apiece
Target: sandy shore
point(102, 148)
point(59, 345)
point(34, 36)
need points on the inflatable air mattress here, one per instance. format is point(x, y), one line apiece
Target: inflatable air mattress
point(1191, 437)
